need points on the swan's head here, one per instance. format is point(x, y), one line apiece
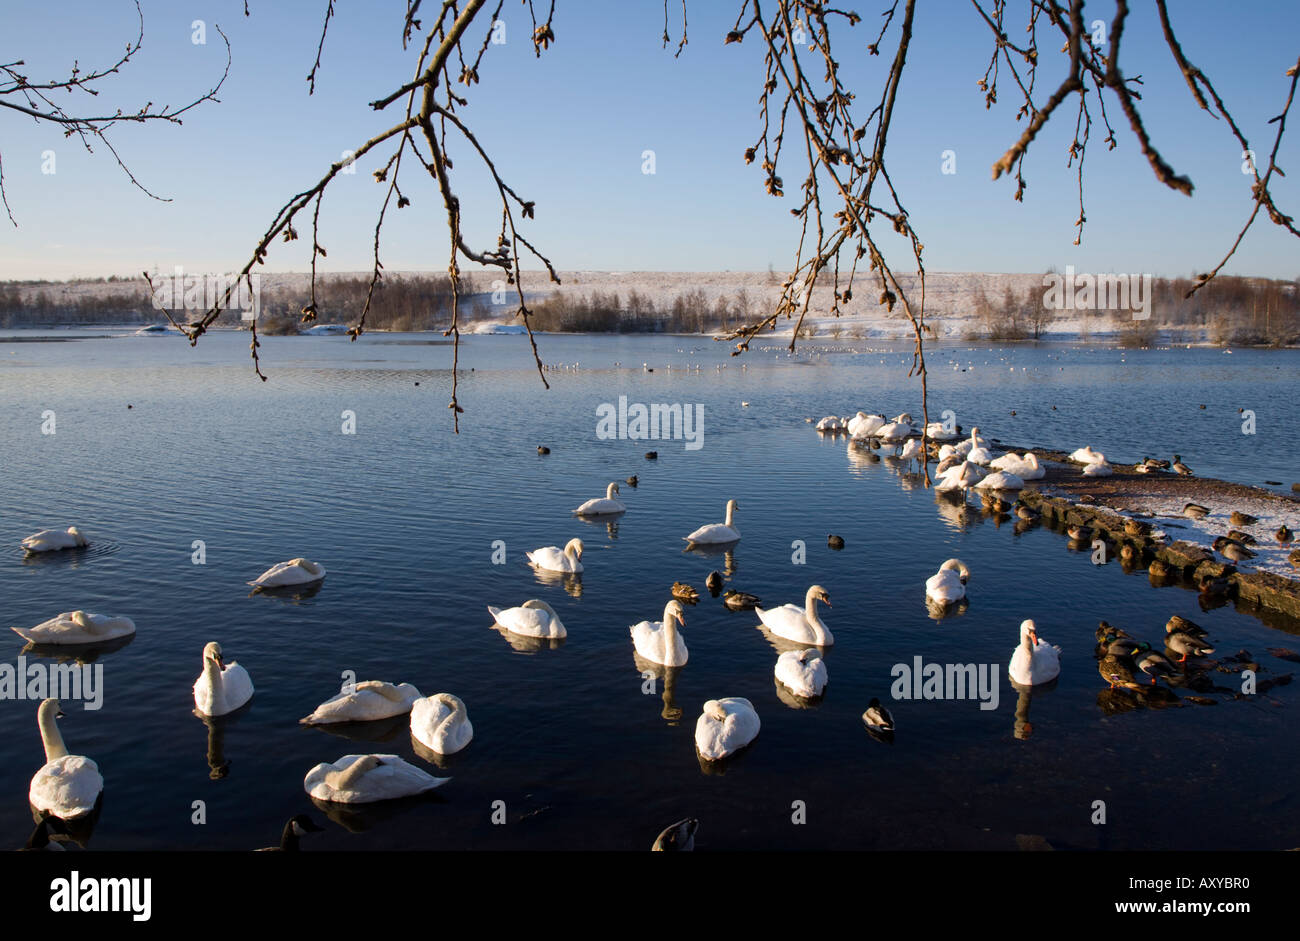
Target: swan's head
point(212, 651)
point(713, 709)
point(818, 593)
point(49, 709)
point(675, 610)
point(958, 566)
point(365, 763)
point(573, 547)
point(1028, 633)
point(80, 618)
point(732, 505)
point(611, 490)
point(77, 535)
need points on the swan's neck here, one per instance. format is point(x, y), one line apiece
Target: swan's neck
point(51, 737)
point(731, 509)
point(1029, 646)
point(609, 491)
point(347, 779)
point(670, 632)
point(212, 673)
point(814, 621)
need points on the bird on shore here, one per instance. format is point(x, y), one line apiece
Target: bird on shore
point(1231, 549)
point(1180, 468)
point(1153, 663)
point(1179, 624)
point(1027, 513)
point(1081, 533)
point(1242, 519)
point(1246, 539)
point(1284, 535)
point(1196, 511)
point(1186, 645)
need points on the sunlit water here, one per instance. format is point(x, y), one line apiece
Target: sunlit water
point(404, 515)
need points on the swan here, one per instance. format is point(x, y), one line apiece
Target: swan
point(441, 722)
point(830, 423)
point(949, 583)
point(364, 779)
point(1086, 455)
point(221, 687)
point(295, 829)
point(67, 786)
point(976, 440)
point(658, 641)
point(936, 431)
point(726, 726)
point(47, 540)
point(293, 572)
point(894, 431)
point(718, 532)
point(1034, 661)
point(1001, 480)
point(1097, 469)
point(802, 672)
point(77, 627)
point(531, 619)
point(553, 559)
point(981, 456)
point(864, 426)
point(912, 450)
point(600, 506)
point(800, 624)
point(364, 702)
point(1025, 467)
point(961, 477)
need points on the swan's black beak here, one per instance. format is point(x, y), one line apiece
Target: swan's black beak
point(59, 714)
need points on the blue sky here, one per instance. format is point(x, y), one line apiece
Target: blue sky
point(568, 131)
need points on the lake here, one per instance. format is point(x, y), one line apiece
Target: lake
point(404, 514)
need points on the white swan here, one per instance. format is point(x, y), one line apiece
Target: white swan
point(658, 641)
point(441, 722)
point(1000, 480)
point(801, 625)
point(1098, 469)
point(1086, 455)
point(802, 672)
point(364, 702)
point(961, 477)
point(718, 532)
point(949, 583)
point(293, 572)
point(726, 726)
point(553, 559)
point(976, 440)
point(531, 619)
point(364, 779)
point(1025, 467)
point(864, 426)
point(77, 627)
point(601, 506)
point(221, 687)
point(1034, 661)
point(936, 431)
point(830, 423)
point(981, 456)
point(912, 450)
point(67, 786)
point(47, 540)
point(895, 431)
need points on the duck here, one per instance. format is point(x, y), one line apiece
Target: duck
point(1246, 539)
point(364, 702)
point(1242, 519)
point(77, 627)
point(221, 687)
point(1136, 527)
point(1186, 645)
point(877, 717)
point(1214, 586)
point(1079, 533)
point(1196, 511)
point(602, 506)
point(1284, 535)
point(51, 540)
point(1154, 464)
point(1179, 624)
point(1104, 629)
point(293, 572)
point(801, 625)
point(1034, 661)
point(1153, 663)
point(716, 533)
point(741, 600)
point(631, 481)
point(67, 786)
point(725, 726)
point(364, 779)
point(835, 542)
point(1027, 513)
point(1117, 671)
point(441, 722)
point(1098, 469)
point(533, 618)
point(677, 837)
point(294, 830)
point(1001, 480)
point(659, 641)
point(553, 559)
point(1231, 549)
point(1025, 466)
point(543, 449)
point(714, 583)
point(948, 585)
point(802, 672)
point(1086, 455)
point(1180, 468)
point(685, 593)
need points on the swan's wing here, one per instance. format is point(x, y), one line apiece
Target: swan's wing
point(785, 618)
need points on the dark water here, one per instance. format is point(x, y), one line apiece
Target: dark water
point(404, 514)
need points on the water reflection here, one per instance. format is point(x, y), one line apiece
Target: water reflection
point(671, 712)
point(571, 582)
point(523, 644)
point(374, 731)
point(358, 818)
point(76, 830)
point(77, 653)
point(289, 593)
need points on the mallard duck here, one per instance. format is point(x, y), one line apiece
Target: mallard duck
point(1081, 533)
point(1027, 513)
point(1239, 518)
point(1128, 552)
point(741, 600)
point(1157, 568)
point(1283, 535)
point(1117, 671)
point(1179, 624)
point(1187, 645)
point(1136, 527)
point(677, 838)
point(631, 481)
point(1153, 663)
point(652, 455)
point(1180, 468)
point(1104, 628)
point(1215, 585)
point(685, 593)
point(1196, 511)
point(543, 449)
point(1155, 463)
point(714, 583)
point(1126, 646)
point(1246, 539)
point(877, 717)
point(835, 542)
point(1231, 549)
